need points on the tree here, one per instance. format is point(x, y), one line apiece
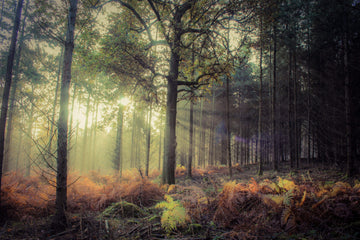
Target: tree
point(59, 221)
point(8, 79)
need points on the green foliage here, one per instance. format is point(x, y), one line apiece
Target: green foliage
point(174, 214)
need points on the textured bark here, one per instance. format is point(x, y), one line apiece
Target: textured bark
point(8, 79)
point(59, 221)
point(168, 175)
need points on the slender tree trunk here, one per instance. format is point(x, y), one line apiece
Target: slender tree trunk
point(52, 123)
point(72, 154)
point(84, 159)
point(133, 145)
point(274, 125)
point(308, 86)
point(29, 143)
point(13, 93)
point(93, 135)
point(59, 222)
point(290, 114)
point(118, 144)
point(148, 138)
point(160, 141)
point(191, 138)
point(295, 121)
point(260, 170)
point(6, 91)
point(201, 153)
point(348, 129)
point(212, 126)
point(228, 130)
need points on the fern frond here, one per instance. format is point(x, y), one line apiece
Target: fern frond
point(288, 198)
point(174, 214)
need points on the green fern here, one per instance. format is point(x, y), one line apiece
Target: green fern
point(174, 214)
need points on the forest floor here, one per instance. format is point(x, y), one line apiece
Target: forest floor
point(309, 203)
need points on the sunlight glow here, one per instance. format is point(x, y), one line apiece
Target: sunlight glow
point(124, 101)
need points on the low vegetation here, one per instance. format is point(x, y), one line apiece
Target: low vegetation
point(307, 204)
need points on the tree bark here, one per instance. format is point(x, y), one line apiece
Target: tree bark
point(168, 175)
point(8, 79)
point(59, 221)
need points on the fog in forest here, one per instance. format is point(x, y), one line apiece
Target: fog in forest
point(106, 96)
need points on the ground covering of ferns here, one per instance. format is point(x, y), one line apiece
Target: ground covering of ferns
point(306, 204)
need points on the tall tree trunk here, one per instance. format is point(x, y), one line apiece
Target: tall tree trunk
point(84, 160)
point(93, 135)
point(290, 114)
point(29, 139)
point(13, 93)
point(297, 142)
point(118, 144)
point(191, 138)
point(308, 85)
point(228, 131)
point(133, 145)
point(59, 221)
point(211, 134)
point(52, 123)
point(160, 140)
point(148, 138)
point(168, 175)
point(72, 154)
point(348, 129)
point(273, 109)
point(260, 125)
point(8, 79)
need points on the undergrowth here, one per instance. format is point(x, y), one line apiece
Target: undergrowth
point(288, 207)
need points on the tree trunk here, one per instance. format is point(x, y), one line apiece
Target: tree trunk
point(228, 132)
point(72, 154)
point(118, 144)
point(84, 156)
point(348, 129)
point(59, 221)
point(191, 136)
point(260, 170)
point(148, 138)
point(295, 121)
point(273, 109)
point(160, 140)
point(290, 114)
point(13, 94)
point(8, 79)
point(133, 145)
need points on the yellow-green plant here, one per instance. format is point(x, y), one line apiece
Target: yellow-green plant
point(174, 214)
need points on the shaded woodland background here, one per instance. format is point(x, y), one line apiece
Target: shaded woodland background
point(159, 87)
